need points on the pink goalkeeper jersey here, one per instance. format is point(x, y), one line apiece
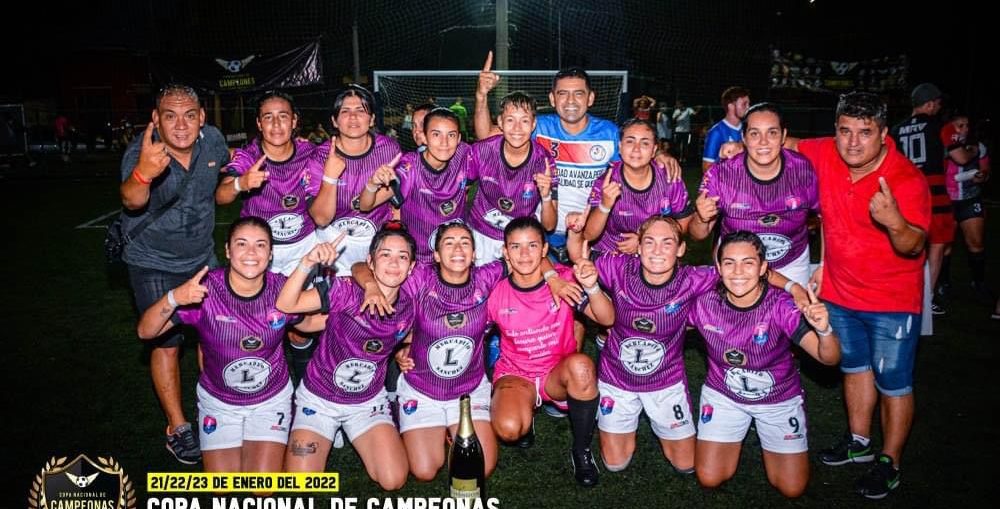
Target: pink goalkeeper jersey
point(534, 335)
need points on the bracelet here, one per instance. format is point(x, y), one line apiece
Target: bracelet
point(140, 179)
point(303, 269)
point(593, 289)
point(549, 274)
point(370, 188)
point(826, 332)
point(789, 285)
point(236, 184)
point(171, 300)
point(547, 197)
point(604, 209)
point(333, 181)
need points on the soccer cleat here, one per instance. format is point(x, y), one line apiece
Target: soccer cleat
point(584, 467)
point(527, 440)
point(879, 480)
point(554, 411)
point(183, 444)
point(937, 309)
point(846, 451)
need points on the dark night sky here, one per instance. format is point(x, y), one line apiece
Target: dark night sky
point(948, 47)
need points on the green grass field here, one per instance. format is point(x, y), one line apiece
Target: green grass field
point(77, 382)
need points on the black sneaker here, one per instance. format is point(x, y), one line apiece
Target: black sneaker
point(880, 480)
point(183, 444)
point(528, 440)
point(584, 467)
point(848, 450)
point(937, 309)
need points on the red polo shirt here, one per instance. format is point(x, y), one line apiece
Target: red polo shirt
point(861, 269)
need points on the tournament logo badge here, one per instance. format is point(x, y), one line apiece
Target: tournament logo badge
point(373, 346)
point(769, 220)
point(276, 320)
point(505, 204)
point(454, 320)
point(644, 325)
point(734, 357)
point(671, 308)
point(706, 413)
point(607, 405)
point(409, 407)
point(598, 153)
point(289, 201)
point(356, 203)
point(792, 202)
point(81, 483)
point(251, 343)
point(528, 192)
point(665, 207)
point(447, 208)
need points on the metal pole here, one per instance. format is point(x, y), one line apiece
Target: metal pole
point(502, 44)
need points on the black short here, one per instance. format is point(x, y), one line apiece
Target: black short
point(968, 209)
point(148, 285)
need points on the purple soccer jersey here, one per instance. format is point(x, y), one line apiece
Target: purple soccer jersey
point(347, 216)
point(350, 364)
point(432, 197)
point(749, 349)
point(241, 339)
point(644, 351)
point(283, 200)
point(635, 206)
point(505, 192)
point(776, 210)
point(448, 332)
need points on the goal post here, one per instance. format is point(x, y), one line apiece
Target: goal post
point(395, 89)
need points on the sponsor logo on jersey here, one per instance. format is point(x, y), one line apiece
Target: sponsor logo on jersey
point(454, 320)
point(276, 319)
point(738, 205)
point(713, 328)
point(528, 192)
point(641, 356)
point(225, 319)
point(251, 343)
point(643, 324)
point(289, 201)
point(597, 152)
point(247, 374)
point(505, 204)
point(706, 413)
point(409, 407)
point(354, 226)
point(671, 308)
point(775, 246)
point(209, 424)
point(450, 356)
point(286, 226)
point(308, 411)
point(735, 357)
point(760, 333)
point(607, 405)
point(793, 202)
point(373, 346)
point(354, 375)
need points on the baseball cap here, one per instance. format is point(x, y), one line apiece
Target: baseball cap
point(923, 93)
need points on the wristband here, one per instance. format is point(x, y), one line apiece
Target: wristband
point(789, 285)
point(547, 197)
point(593, 289)
point(236, 185)
point(826, 332)
point(140, 179)
point(303, 269)
point(370, 188)
point(549, 274)
point(333, 181)
point(604, 209)
point(171, 300)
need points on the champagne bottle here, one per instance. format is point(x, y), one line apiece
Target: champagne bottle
point(466, 466)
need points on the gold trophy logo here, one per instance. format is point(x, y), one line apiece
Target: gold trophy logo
point(81, 483)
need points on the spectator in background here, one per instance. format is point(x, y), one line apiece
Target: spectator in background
point(64, 136)
point(664, 128)
point(318, 134)
point(463, 114)
point(642, 107)
point(735, 101)
point(682, 129)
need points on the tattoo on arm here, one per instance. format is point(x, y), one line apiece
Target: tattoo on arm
point(166, 310)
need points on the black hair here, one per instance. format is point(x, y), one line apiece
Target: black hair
point(276, 94)
point(863, 105)
point(439, 235)
point(571, 72)
point(732, 94)
point(520, 100)
point(354, 90)
point(762, 107)
point(440, 112)
point(635, 121)
point(523, 223)
point(249, 221)
point(393, 228)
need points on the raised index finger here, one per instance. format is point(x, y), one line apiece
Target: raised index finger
point(884, 185)
point(147, 135)
point(812, 294)
point(489, 61)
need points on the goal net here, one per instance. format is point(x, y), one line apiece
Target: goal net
point(397, 89)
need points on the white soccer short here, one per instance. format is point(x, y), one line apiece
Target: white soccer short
point(417, 410)
point(286, 257)
point(798, 270)
point(353, 249)
point(488, 249)
point(226, 426)
point(781, 426)
point(326, 417)
point(669, 411)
